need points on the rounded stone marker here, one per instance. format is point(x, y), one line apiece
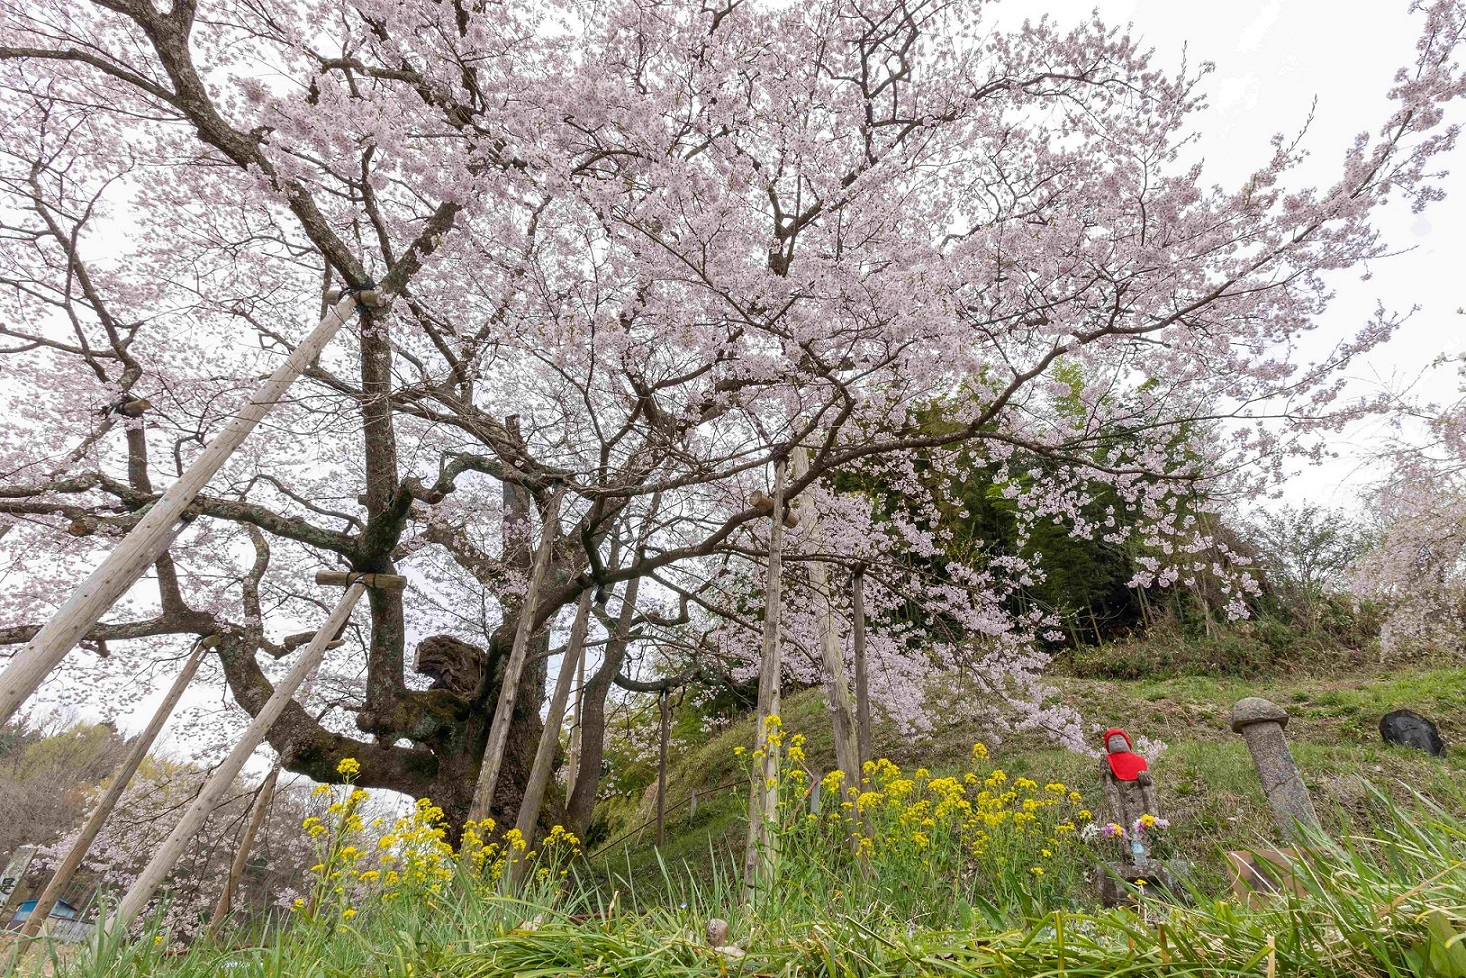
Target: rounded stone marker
point(1261, 723)
point(717, 932)
point(1255, 709)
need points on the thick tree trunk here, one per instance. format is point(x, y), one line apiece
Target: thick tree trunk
point(837, 686)
point(582, 802)
point(539, 778)
point(504, 711)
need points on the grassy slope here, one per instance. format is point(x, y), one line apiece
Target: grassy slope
point(1207, 785)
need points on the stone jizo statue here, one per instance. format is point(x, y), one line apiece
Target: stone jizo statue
point(1129, 791)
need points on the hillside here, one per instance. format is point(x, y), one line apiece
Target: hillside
point(1206, 782)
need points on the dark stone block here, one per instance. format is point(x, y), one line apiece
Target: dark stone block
point(1409, 729)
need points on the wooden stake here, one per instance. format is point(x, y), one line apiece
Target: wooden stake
point(666, 710)
point(223, 776)
point(862, 678)
point(837, 686)
point(488, 779)
point(246, 842)
point(544, 756)
point(763, 800)
point(140, 548)
point(143, 743)
point(573, 764)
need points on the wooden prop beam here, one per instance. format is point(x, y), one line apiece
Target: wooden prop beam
point(758, 857)
point(544, 755)
point(488, 779)
point(862, 676)
point(246, 842)
point(223, 776)
point(387, 582)
point(140, 548)
point(61, 879)
point(837, 685)
point(573, 764)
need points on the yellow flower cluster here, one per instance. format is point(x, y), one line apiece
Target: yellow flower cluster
point(357, 864)
point(966, 828)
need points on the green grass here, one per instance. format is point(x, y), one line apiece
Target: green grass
point(1389, 898)
point(1388, 902)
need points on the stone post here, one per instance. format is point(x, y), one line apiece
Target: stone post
point(1261, 723)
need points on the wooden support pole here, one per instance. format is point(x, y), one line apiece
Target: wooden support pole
point(544, 755)
point(137, 751)
point(758, 857)
point(832, 653)
point(666, 730)
point(223, 776)
point(388, 582)
point(257, 814)
point(573, 764)
point(140, 548)
point(862, 675)
point(488, 778)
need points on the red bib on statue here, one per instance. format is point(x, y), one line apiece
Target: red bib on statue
point(1126, 765)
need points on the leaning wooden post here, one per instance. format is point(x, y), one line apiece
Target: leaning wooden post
point(257, 815)
point(763, 790)
point(862, 676)
point(488, 778)
point(223, 776)
point(666, 730)
point(140, 548)
point(573, 764)
point(61, 879)
point(837, 686)
point(544, 755)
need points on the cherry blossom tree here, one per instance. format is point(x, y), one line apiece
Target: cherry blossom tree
point(1416, 567)
point(640, 251)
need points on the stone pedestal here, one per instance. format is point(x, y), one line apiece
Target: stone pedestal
point(1162, 878)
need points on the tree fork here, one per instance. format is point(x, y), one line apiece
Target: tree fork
point(139, 549)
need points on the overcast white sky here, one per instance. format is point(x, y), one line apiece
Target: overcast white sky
point(1273, 59)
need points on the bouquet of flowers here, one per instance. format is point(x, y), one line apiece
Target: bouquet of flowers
point(1154, 833)
point(1111, 839)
